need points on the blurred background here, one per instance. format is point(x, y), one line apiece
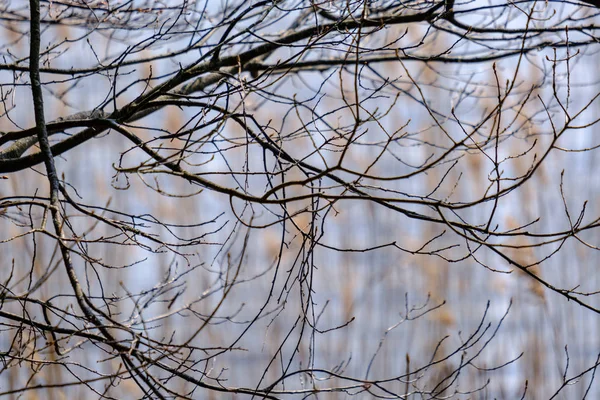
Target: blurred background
point(349, 285)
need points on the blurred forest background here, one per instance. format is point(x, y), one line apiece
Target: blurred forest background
point(467, 163)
